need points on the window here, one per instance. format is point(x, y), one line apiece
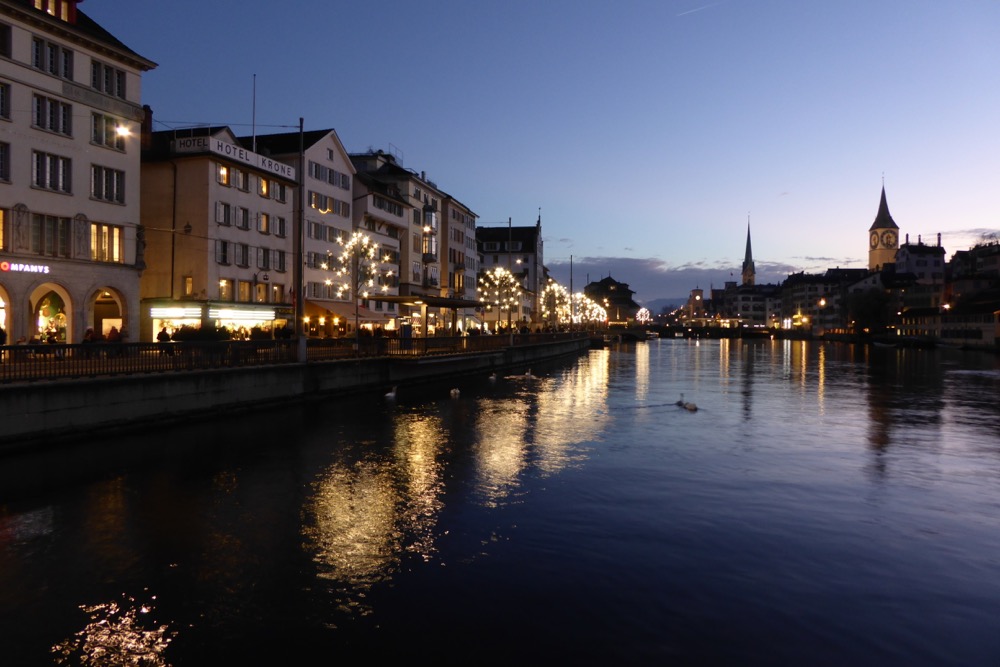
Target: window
point(52, 58)
point(107, 184)
point(223, 252)
point(104, 132)
point(279, 227)
point(50, 236)
point(4, 161)
point(105, 243)
point(51, 172)
point(242, 218)
point(223, 213)
point(223, 175)
point(4, 100)
point(242, 256)
point(264, 223)
point(52, 115)
point(4, 40)
point(107, 79)
point(387, 206)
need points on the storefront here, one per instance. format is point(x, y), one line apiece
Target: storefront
point(242, 321)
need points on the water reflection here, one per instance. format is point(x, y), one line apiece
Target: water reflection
point(118, 634)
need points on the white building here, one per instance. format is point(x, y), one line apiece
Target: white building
point(70, 111)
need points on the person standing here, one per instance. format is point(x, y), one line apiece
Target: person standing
point(164, 339)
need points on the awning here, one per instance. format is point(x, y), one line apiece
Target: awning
point(346, 312)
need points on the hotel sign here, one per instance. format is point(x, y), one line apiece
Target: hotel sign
point(233, 152)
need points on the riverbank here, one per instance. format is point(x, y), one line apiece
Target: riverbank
point(41, 413)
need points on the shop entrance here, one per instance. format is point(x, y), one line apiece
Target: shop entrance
point(50, 319)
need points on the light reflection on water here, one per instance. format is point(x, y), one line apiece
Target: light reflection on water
point(826, 503)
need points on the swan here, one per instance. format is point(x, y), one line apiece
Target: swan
point(391, 396)
point(454, 393)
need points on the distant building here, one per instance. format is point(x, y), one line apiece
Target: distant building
point(883, 237)
point(615, 298)
point(521, 251)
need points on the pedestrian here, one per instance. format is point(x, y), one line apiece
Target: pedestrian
point(88, 340)
point(164, 338)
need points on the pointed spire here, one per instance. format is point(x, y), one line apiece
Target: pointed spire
point(883, 220)
point(749, 272)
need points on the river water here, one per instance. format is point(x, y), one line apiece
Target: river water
point(827, 504)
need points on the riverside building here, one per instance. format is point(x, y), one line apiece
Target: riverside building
point(71, 249)
point(329, 218)
point(218, 220)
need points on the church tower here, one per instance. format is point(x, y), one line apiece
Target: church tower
point(749, 274)
point(883, 238)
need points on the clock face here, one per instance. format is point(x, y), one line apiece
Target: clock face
point(888, 239)
point(874, 239)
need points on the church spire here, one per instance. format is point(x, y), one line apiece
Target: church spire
point(749, 274)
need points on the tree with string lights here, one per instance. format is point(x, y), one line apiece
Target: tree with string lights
point(556, 304)
point(498, 288)
point(360, 268)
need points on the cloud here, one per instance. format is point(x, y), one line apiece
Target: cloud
point(653, 279)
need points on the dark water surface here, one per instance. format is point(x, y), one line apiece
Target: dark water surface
point(826, 505)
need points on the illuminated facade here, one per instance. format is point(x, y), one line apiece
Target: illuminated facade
point(70, 108)
point(218, 220)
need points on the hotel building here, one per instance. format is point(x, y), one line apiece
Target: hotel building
point(219, 221)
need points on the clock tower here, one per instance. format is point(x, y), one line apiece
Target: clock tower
point(883, 238)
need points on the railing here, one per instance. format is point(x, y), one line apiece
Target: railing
point(25, 363)
point(29, 363)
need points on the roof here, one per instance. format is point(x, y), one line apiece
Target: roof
point(527, 236)
point(87, 28)
point(283, 143)
point(882, 219)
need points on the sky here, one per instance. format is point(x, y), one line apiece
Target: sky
point(648, 135)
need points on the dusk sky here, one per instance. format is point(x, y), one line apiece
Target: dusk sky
point(646, 132)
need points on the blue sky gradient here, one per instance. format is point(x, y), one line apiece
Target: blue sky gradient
point(647, 133)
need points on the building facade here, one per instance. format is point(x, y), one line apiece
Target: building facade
point(71, 249)
point(218, 221)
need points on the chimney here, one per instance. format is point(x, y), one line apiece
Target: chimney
point(146, 131)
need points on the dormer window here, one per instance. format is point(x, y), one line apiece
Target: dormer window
point(64, 10)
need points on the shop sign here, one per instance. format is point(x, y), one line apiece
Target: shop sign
point(13, 267)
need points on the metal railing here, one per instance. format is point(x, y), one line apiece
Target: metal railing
point(35, 362)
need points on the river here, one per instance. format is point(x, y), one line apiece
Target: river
point(826, 504)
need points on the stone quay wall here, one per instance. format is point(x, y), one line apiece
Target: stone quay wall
point(37, 413)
